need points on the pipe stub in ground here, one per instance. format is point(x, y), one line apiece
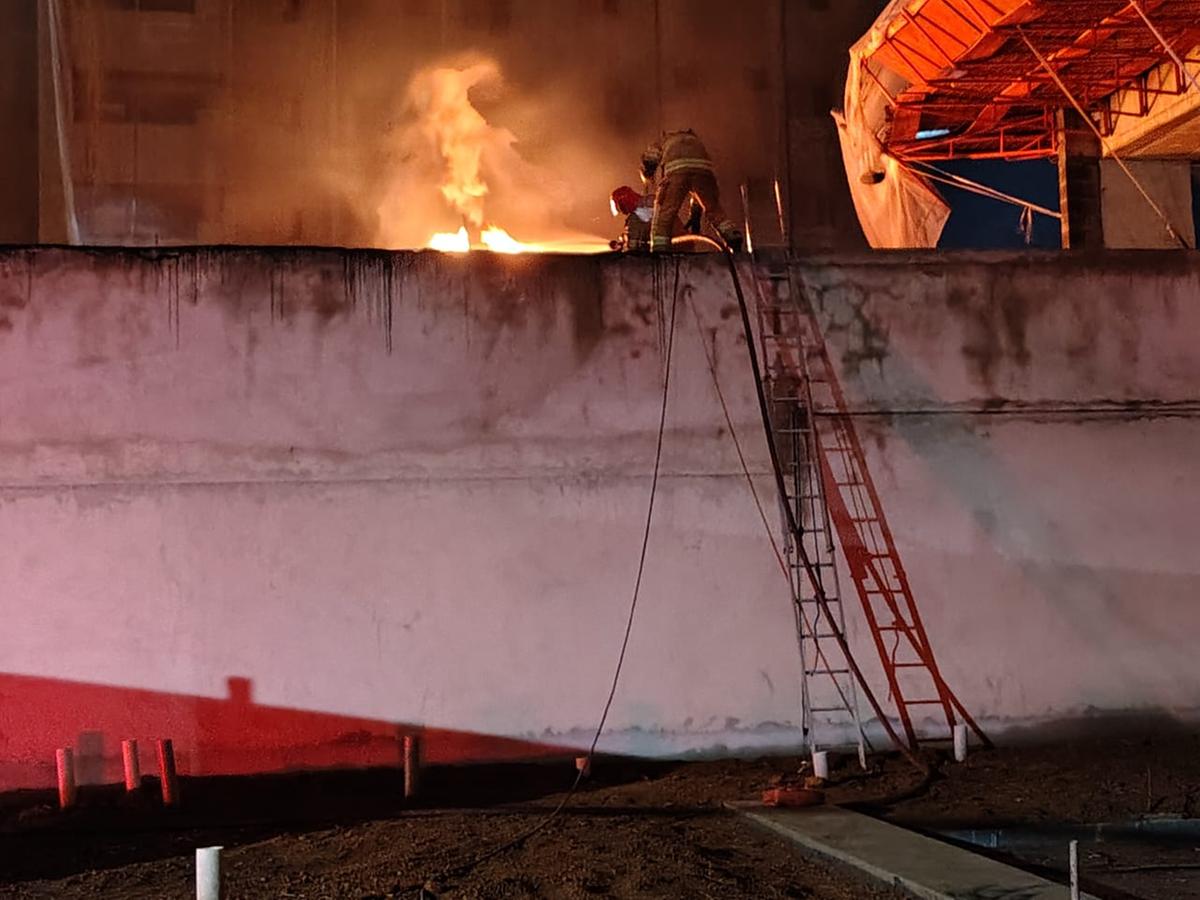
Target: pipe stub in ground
point(209, 883)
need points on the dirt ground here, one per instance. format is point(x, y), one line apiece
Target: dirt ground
point(635, 830)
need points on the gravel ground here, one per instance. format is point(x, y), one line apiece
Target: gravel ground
point(635, 830)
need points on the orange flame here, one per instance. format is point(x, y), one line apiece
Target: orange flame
point(451, 241)
point(500, 241)
point(459, 132)
point(461, 137)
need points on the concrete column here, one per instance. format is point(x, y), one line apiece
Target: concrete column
point(1079, 183)
point(19, 122)
point(1130, 222)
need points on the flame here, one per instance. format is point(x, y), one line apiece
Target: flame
point(500, 241)
point(464, 141)
point(497, 240)
point(451, 241)
point(460, 133)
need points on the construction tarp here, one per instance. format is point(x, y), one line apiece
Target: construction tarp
point(896, 207)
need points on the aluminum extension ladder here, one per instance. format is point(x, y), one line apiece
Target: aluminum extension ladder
point(831, 490)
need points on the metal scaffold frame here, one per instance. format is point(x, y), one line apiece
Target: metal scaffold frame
point(974, 89)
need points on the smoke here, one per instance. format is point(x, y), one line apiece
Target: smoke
point(441, 99)
point(454, 168)
point(358, 125)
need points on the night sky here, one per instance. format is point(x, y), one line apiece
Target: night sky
point(978, 223)
point(981, 223)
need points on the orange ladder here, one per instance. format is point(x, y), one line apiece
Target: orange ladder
point(813, 424)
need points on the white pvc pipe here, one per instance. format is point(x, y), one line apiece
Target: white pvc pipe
point(820, 762)
point(208, 873)
point(133, 768)
point(1074, 870)
point(960, 743)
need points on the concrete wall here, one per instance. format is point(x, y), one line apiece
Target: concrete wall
point(376, 489)
point(1130, 222)
point(1032, 423)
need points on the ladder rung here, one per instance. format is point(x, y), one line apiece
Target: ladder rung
point(921, 702)
point(826, 709)
point(844, 487)
point(827, 672)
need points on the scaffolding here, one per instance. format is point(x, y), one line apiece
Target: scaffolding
point(975, 90)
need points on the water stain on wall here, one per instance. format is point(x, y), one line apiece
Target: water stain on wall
point(10, 303)
point(993, 323)
point(845, 311)
point(16, 271)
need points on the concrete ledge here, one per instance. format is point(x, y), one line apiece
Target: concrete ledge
point(920, 865)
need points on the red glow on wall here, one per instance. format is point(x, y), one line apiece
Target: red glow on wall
point(228, 736)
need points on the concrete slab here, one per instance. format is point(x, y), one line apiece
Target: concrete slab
point(923, 866)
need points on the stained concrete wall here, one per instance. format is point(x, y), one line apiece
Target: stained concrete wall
point(410, 489)
point(1032, 422)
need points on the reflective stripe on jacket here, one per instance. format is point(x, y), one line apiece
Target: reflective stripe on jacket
point(682, 151)
point(687, 164)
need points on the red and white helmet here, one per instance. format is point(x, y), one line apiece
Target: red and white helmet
point(624, 200)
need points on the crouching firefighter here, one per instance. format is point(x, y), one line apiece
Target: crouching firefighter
point(638, 210)
point(684, 171)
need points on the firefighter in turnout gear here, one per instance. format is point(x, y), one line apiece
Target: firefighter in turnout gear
point(638, 210)
point(684, 171)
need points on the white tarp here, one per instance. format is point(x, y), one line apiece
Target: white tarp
point(897, 208)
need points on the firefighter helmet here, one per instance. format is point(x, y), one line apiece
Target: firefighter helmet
point(624, 200)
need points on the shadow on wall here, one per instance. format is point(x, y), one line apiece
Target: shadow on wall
point(230, 736)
